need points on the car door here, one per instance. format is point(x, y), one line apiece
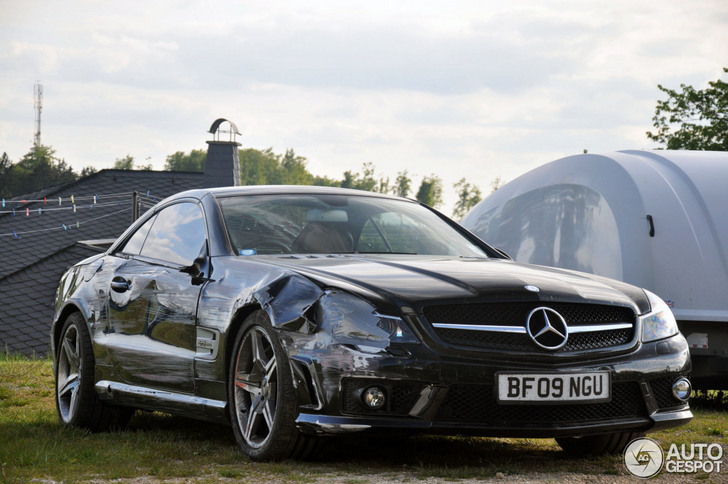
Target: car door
point(152, 303)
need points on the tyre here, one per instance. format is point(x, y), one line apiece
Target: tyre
point(76, 400)
point(594, 445)
point(261, 397)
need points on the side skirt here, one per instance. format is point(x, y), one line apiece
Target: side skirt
point(154, 400)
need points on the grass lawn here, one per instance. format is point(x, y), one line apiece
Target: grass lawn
point(158, 447)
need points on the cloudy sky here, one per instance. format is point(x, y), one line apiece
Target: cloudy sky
point(474, 89)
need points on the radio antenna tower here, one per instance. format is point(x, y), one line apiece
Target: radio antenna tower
point(38, 105)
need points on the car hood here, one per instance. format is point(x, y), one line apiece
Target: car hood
point(414, 280)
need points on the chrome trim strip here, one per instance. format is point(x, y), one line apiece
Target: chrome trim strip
point(331, 424)
point(482, 327)
point(599, 327)
point(521, 330)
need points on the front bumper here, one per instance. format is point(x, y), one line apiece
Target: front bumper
point(333, 425)
point(430, 393)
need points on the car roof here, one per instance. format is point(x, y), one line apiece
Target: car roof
point(281, 190)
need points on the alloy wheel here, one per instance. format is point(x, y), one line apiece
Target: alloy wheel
point(256, 383)
point(69, 373)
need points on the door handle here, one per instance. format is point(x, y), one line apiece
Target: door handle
point(119, 284)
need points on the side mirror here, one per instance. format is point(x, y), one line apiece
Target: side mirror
point(195, 269)
point(198, 266)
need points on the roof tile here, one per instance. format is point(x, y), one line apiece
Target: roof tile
point(34, 261)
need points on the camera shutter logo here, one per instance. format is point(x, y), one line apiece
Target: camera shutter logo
point(643, 457)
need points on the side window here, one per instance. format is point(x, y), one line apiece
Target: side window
point(133, 246)
point(177, 234)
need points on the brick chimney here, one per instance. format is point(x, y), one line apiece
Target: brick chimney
point(222, 167)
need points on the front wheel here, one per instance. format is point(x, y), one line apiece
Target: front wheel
point(595, 445)
point(261, 396)
point(76, 400)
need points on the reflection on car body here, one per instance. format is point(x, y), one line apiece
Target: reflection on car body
point(293, 313)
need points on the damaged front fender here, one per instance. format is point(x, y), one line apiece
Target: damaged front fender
point(294, 303)
point(315, 323)
point(289, 302)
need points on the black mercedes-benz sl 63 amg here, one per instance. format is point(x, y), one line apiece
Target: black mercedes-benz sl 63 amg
point(293, 313)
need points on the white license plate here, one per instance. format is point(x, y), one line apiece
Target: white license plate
point(554, 387)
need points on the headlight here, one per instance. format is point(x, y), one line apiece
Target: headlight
point(352, 320)
point(659, 322)
point(398, 330)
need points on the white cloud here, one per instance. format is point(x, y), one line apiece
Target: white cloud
point(462, 88)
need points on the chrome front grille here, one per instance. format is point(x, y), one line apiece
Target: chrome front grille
point(502, 326)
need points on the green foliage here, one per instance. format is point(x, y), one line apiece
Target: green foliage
point(365, 181)
point(88, 171)
point(181, 161)
point(693, 119)
point(5, 176)
point(403, 184)
point(257, 167)
point(383, 186)
point(430, 191)
point(325, 181)
point(498, 182)
point(468, 196)
point(128, 163)
point(294, 169)
point(38, 169)
point(710, 399)
point(267, 168)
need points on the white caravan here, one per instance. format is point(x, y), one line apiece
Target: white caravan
point(655, 219)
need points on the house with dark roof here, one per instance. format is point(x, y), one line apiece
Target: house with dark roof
point(44, 233)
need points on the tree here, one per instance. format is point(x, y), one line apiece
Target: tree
point(325, 181)
point(294, 169)
point(365, 181)
point(403, 184)
point(5, 162)
point(430, 191)
point(5, 176)
point(39, 168)
point(468, 196)
point(128, 163)
point(383, 186)
point(693, 119)
point(259, 167)
point(87, 171)
point(181, 161)
point(496, 183)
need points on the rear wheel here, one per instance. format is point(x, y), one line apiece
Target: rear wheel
point(76, 400)
point(597, 444)
point(261, 396)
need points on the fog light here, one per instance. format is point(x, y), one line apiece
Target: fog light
point(682, 389)
point(373, 398)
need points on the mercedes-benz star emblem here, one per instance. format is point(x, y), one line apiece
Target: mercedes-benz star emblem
point(547, 328)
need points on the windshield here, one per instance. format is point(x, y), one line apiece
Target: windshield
point(338, 224)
